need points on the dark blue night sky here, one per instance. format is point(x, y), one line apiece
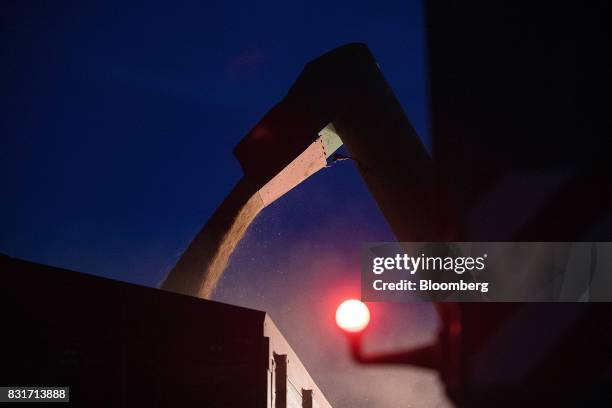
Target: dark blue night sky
point(117, 128)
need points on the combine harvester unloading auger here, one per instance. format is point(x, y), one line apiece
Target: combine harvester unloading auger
point(339, 98)
point(343, 98)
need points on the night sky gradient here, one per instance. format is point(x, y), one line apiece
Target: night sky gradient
point(117, 128)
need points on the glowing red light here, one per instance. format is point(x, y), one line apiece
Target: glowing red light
point(352, 316)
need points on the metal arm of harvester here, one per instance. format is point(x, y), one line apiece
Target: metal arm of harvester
point(340, 97)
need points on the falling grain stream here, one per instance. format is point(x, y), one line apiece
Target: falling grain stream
point(199, 269)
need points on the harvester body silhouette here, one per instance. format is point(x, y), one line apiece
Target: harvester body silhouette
point(343, 98)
